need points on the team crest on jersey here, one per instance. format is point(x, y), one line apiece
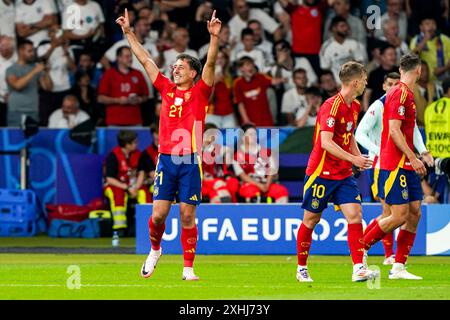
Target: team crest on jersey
point(39, 10)
point(330, 122)
point(314, 12)
point(315, 204)
point(134, 79)
point(405, 194)
point(349, 126)
point(178, 101)
point(155, 191)
point(355, 116)
point(187, 96)
point(401, 110)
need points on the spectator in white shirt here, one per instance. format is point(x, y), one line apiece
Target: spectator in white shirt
point(84, 29)
point(34, 18)
point(307, 117)
point(340, 49)
point(7, 18)
point(68, 116)
point(342, 8)
point(60, 62)
point(249, 50)
point(243, 14)
point(180, 39)
point(294, 99)
point(7, 58)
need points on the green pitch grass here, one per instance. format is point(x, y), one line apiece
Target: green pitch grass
point(107, 276)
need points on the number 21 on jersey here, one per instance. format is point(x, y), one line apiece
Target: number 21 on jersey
point(175, 111)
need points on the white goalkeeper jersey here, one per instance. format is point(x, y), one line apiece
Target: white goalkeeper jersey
point(368, 132)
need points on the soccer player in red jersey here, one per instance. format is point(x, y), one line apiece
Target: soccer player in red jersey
point(400, 169)
point(329, 176)
point(182, 118)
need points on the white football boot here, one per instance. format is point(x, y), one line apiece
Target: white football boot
point(303, 275)
point(398, 271)
point(189, 275)
point(150, 263)
point(362, 273)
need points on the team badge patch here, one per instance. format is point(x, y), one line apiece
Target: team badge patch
point(405, 194)
point(134, 79)
point(315, 204)
point(330, 122)
point(187, 96)
point(349, 126)
point(178, 101)
point(401, 110)
point(155, 191)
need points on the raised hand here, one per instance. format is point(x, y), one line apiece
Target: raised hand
point(124, 22)
point(214, 25)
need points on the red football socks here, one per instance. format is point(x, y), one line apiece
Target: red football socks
point(370, 226)
point(304, 238)
point(405, 241)
point(388, 244)
point(355, 242)
point(373, 236)
point(156, 233)
point(189, 244)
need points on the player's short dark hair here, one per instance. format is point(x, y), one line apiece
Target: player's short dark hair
point(446, 85)
point(247, 32)
point(298, 70)
point(243, 60)
point(193, 62)
point(350, 70)
point(336, 20)
point(120, 50)
point(314, 91)
point(409, 62)
point(391, 75)
point(23, 42)
point(125, 137)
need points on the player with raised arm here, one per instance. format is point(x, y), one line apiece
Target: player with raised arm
point(329, 176)
point(368, 135)
point(400, 169)
point(182, 117)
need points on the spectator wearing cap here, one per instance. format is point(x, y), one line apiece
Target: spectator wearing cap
point(68, 116)
point(340, 49)
point(433, 48)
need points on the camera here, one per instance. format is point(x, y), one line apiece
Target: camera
point(441, 167)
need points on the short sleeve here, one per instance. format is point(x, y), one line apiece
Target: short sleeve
point(161, 83)
point(395, 108)
point(204, 89)
point(328, 117)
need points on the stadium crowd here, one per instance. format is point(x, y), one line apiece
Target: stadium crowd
point(65, 61)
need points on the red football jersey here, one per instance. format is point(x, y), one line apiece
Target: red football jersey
point(182, 116)
point(399, 105)
point(117, 84)
point(223, 104)
point(253, 94)
point(306, 24)
point(337, 117)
